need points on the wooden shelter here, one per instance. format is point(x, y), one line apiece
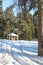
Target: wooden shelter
point(12, 36)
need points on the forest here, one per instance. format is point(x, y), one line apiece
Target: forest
point(24, 24)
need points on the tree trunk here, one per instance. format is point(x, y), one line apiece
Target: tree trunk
point(40, 30)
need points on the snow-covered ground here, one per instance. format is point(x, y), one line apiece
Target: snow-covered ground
point(19, 53)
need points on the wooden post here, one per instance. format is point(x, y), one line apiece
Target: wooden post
point(40, 33)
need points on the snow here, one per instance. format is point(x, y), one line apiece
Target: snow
point(19, 52)
point(12, 34)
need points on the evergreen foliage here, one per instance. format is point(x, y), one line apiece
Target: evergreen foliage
point(23, 24)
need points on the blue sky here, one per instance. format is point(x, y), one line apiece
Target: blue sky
point(7, 3)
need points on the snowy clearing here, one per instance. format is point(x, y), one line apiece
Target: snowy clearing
point(19, 53)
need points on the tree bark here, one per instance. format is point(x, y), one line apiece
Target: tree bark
point(40, 29)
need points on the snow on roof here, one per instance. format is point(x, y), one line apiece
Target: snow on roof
point(12, 34)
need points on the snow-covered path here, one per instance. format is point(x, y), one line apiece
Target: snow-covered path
point(21, 52)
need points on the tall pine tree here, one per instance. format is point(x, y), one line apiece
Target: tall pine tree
point(1, 20)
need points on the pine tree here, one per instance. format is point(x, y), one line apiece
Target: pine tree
point(9, 20)
point(1, 20)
